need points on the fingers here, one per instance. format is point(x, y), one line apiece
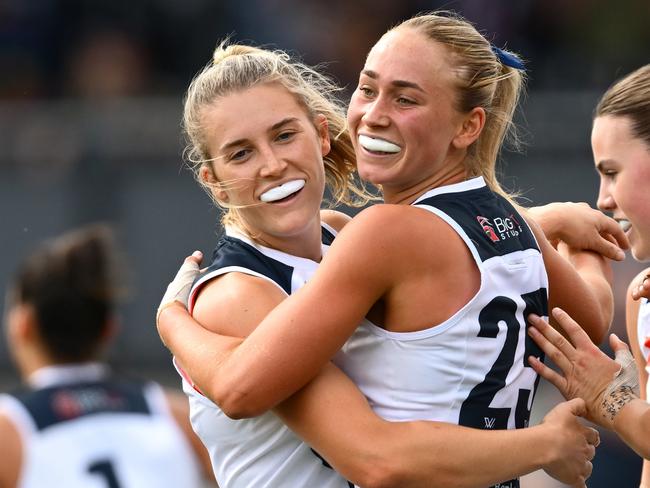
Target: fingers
point(196, 257)
point(589, 467)
point(592, 436)
point(551, 342)
point(643, 289)
point(578, 408)
point(608, 245)
point(577, 335)
point(554, 378)
point(617, 345)
point(609, 227)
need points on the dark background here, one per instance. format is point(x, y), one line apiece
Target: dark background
point(90, 106)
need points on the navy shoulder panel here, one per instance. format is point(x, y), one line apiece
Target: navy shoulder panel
point(326, 236)
point(54, 405)
point(234, 252)
point(488, 219)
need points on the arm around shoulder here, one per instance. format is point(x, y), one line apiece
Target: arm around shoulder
point(299, 336)
point(580, 284)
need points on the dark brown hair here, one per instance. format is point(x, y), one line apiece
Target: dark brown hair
point(630, 97)
point(69, 281)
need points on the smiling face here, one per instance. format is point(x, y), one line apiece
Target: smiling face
point(402, 116)
point(623, 163)
point(268, 158)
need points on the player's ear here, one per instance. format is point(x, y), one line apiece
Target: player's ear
point(209, 179)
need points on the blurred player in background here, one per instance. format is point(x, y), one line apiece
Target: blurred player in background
point(74, 424)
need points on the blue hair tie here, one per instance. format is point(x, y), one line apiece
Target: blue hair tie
point(508, 59)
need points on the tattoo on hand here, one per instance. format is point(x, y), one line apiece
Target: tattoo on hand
point(616, 399)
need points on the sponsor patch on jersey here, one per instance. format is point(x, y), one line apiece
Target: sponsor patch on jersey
point(69, 404)
point(500, 228)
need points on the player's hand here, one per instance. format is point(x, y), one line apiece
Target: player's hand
point(586, 372)
point(574, 444)
point(178, 291)
point(581, 227)
point(641, 288)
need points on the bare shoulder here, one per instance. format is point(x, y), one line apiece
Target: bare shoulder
point(234, 303)
point(334, 218)
point(386, 232)
point(10, 453)
point(396, 221)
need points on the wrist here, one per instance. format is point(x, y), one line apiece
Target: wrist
point(166, 320)
point(545, 218)
point(545, 440)
point(614, 402)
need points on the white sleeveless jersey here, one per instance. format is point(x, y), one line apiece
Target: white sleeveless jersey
point(81, 429)
point(471, 369)
point(643, 336)
point(261, 452)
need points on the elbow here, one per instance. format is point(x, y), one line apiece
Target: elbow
point(384, 474)
point(235, 406)
point(238, 403)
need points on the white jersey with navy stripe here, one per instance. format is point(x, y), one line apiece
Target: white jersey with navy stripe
point(472, 368)
point(80, 428)
point(643, 334)
point(260, 452)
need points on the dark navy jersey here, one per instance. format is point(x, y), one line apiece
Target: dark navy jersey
point(490, 221)
point(236, 252)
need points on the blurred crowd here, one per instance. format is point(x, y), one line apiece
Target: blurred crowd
point(113, 48)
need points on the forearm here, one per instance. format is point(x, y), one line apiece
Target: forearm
point(440, 453)
point(332, 416)
point(596, 274)
point(632, 424)
point(202, 354)
point(546, 216)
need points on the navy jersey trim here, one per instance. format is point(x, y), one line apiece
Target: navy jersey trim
point(57, 404)
point(231, 251)
point(489, 220)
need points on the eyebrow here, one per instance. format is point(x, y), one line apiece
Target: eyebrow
point(274, 127)
point(398, 83)
point(600, 164)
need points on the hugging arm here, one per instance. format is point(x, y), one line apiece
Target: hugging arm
point(333, 417)
point(579, 282)
point(299, 336)
point(581, 227)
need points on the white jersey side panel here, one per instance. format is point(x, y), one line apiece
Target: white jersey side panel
point(260, 452)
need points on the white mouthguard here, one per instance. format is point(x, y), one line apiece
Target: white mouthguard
point(625, 225)
point(372, 144)
point(282, 191)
